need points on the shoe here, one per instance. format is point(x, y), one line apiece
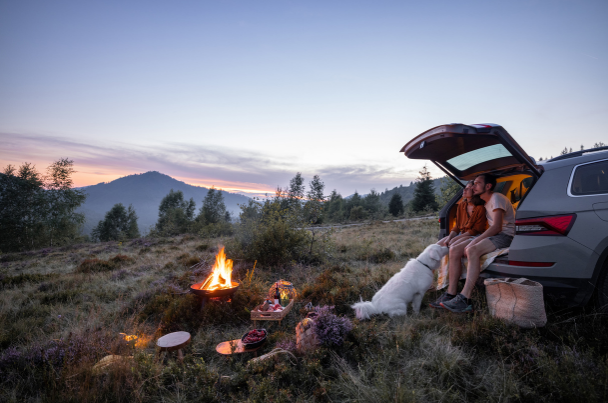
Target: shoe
point(443, 298)
point(458, 304)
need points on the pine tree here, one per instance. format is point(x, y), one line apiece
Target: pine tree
point(175, 215)
point(424, 193)
point(296, 190)
point(119, 224)
point(334, 207)
point(213, 210)
point(313, 208)
point(371, 204)
point(395, 206)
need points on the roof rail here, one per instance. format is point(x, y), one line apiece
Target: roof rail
point(576, 154)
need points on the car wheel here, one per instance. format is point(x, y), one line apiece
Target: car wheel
point(602, 290)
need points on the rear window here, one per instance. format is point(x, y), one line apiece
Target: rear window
point(479, 156)
point(590, 179)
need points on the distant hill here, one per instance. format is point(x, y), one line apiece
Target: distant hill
point(144, 192)
point(407, 192)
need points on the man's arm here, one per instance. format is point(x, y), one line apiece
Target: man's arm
point(498, 215)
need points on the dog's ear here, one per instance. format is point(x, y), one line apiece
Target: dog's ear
point(434, 252)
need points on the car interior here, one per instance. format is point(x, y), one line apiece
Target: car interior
point(513, 186)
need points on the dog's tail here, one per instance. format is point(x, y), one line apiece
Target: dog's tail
point(364, 309)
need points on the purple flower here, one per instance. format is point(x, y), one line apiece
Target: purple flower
point(329, 328)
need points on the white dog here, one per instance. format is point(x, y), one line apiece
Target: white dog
point(409, 285)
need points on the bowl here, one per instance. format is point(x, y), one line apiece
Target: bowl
point(257, 343)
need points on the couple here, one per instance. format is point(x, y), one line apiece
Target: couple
point(465, 241)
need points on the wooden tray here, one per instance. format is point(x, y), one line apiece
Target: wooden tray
point(256, 314)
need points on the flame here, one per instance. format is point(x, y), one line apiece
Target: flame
point(221, 275)
point(129, 337)
point(138, 341)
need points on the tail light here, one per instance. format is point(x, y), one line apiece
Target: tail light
point(557, 225)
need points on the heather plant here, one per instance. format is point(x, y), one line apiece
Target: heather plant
point(330, 328)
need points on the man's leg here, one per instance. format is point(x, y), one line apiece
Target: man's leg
point(455, 266)
point(474, 255)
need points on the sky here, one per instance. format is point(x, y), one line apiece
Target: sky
point(241, 95)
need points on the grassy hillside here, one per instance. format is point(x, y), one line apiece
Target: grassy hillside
point(61, 311)
point(145, 192)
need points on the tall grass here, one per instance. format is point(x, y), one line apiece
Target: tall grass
point(62, 310)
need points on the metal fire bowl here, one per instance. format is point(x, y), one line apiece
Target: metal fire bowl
point(194, 288)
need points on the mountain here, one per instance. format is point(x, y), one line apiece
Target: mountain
point(145, 192)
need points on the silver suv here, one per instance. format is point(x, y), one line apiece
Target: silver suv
point(561, 206)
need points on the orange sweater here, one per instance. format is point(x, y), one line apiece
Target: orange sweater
point(474, 224)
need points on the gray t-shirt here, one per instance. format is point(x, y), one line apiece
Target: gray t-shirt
point(499, 201)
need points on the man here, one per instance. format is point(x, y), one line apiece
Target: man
point(500, 232)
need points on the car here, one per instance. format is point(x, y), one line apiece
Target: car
point(561, 204)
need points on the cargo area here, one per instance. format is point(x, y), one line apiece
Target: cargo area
point(514, 187)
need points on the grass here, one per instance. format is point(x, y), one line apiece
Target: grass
point(61, 311)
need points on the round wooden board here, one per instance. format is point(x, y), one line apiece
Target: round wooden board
point(173, 341)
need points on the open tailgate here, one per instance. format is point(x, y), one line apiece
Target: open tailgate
point(465, 151)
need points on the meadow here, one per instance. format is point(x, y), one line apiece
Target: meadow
point(63, 309)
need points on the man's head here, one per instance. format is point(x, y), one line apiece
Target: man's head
point(484, 183)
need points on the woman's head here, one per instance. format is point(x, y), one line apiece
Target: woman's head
point(467, 193)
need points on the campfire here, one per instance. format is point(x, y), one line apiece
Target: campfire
point(219, 283)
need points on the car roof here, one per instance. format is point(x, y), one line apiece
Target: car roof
point(576, 159)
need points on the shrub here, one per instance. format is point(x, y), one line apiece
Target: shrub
point(271, 237)
point(95, 265)
point(19, 279)
point(99, 265)
point(329, 328)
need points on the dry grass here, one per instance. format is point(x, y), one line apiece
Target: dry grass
point(57, 319)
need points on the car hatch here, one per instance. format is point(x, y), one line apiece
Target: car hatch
point(465, 151)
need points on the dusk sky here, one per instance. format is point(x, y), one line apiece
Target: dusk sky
point(244, 94)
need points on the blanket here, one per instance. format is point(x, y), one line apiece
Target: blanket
point(486, 260)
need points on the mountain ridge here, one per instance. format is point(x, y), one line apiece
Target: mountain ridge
point(144, 191)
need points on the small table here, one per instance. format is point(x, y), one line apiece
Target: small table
point(173, 341)
point(225, 348)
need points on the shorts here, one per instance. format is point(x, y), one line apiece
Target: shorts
point(501, 240)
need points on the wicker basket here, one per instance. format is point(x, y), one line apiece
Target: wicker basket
point(258, 314)
point(306, 339)
point(516, 300)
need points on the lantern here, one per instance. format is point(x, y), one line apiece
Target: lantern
point(286, 290)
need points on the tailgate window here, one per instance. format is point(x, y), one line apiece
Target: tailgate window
point(467, 160)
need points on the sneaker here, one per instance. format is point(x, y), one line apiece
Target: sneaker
point(458, 304)
point(443, 298)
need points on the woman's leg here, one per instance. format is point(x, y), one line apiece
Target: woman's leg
point(455, 265)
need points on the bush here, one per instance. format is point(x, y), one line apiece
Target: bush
point(99, 265)
point(271, 237)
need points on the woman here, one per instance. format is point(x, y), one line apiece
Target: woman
point(470, 218)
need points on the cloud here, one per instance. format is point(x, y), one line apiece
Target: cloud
point(228, 168)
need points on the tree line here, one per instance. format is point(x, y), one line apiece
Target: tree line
point(39, 210)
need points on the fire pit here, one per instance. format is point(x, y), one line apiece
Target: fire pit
point(219, 284)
